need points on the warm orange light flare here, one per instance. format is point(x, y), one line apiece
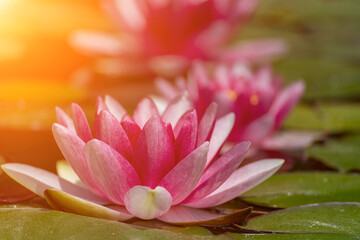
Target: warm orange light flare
point(5, 3)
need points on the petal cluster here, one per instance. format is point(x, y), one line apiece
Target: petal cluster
point(169, 33)
point(146, 165)
point(257, 99)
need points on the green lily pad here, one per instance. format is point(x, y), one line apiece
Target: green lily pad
point(341, 78)
point(194, 230)
point(295, 189)
point(323, 38)
point(340, 117)
point(43, 224)
point(342, 154)
point(341, 218)
point(302, 236)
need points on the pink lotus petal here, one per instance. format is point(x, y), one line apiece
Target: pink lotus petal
point(191, 169)
point(132, 131)
point(240, 181)
point(223, 6)
point(154, 153)
point(255, 50)
point(165, 88)
point(206, 124)
point(170, 132)
point(144, 111)
point(95, 43)
point(100, 105)
point(286, 101)
point(180, 123)
point(242, 70)
point(146, 203)
point(219, 172)
point(130, 13)
point(38, 180)
point(60, 200)
point(264, 77)
point(176, 109)
point(244, 8)
point(222, 76)
point(291, 140)
point(225, 101)
point(182, 214)
point(64, 119)
point(72, 147)
point(180, 82)
point(192, 87)
point(127, 117)
point(158, 3)
point(114, 174)
point(185, 141)
point(111, 132)
point(222, 129)
point(213, 38)
point(114, 107)
point(81, 123)
point(200, 74)
point(160, 103)
point(256, 131)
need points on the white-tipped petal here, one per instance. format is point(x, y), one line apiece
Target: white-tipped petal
point(65, 171)
point(146, 203)
point(239, 182)
point(64, 119)
point(222, 129)
point(66, 202)
point(176, 108)
point(38, 180)
point(114, 107)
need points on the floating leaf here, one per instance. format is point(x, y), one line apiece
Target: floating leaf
point(331, 117)
point(194, 230)
point(341, 218)
point(295, 189)
point(43, 224)
point(301, 236)
point(342, 154)
point(323, 37)
point(35, 202)
point(341, 78)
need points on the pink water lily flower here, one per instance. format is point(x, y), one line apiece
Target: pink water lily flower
point(168, 34)
point(257, 98)
point(150, 165)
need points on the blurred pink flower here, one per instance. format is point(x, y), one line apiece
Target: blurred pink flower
point(168, 34)
point(257, 98)
point(148, 166)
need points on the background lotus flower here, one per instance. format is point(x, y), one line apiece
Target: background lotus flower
point(257, 98)
point(171, 33)
point(157, 166)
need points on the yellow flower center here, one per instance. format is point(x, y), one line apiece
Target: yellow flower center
point(231, 94)
point(254, 99)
